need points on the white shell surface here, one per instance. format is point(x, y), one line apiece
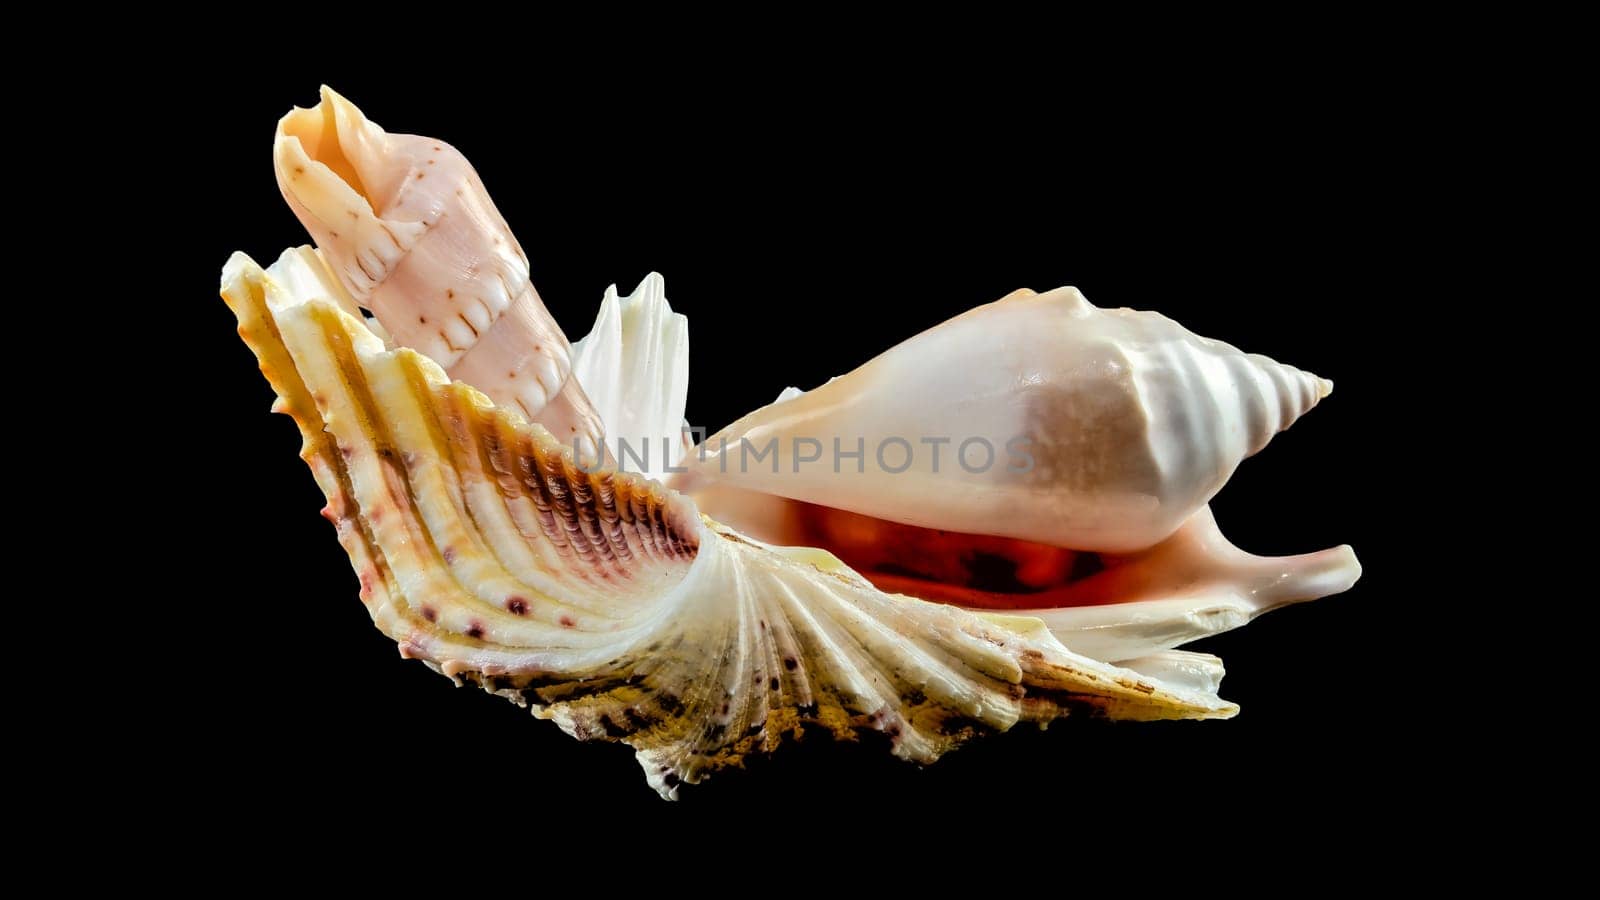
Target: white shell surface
point(1038, 416)
point(634, 365)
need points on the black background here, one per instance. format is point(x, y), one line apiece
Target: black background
point(806, 218)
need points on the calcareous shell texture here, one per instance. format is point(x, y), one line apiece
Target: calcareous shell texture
point(1097, 438)
point(1003, 519)
point(607, 603)
point(1039, 417)
point(634, 363)
point(407, 227)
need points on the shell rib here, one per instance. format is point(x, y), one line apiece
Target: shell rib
point(406, 224)
point(1105, 430)
point(606, 602)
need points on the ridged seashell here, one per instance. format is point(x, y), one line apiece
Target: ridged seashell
point(607, 603)
point(406, 225)
point(1038, 417)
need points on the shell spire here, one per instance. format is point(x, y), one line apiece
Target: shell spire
point(405, 224)
point(1281, 394)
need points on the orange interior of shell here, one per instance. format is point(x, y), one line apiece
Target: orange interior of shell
point(973, 570)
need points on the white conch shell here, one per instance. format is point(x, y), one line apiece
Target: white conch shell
point(412, 235)
point(1038, 417)
point(603, 599)
point(1134, 423)
point(634, 365)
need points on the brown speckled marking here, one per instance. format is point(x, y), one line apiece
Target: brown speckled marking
point(429, 614)
point(517, 606)
point(475, 631)
point(566, 622)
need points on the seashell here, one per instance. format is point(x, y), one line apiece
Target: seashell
point(607, 602)
point(1038, 417)
point(405, 224)
point(929, 603)
point(1124, 425)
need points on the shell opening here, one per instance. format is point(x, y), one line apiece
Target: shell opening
point(973, 570)
point(317, 129)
